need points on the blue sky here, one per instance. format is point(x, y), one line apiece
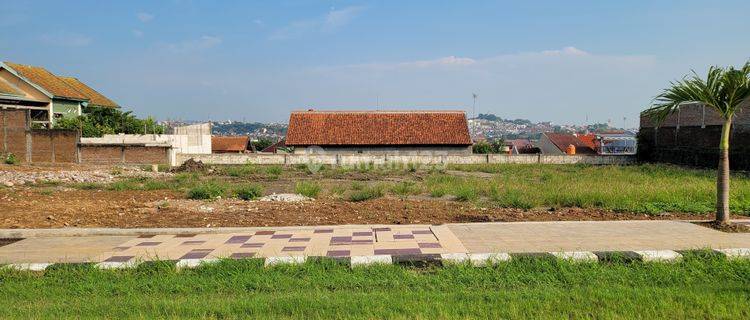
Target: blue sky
point(563, 61)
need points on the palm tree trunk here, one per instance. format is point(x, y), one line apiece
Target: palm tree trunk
point(722, 180)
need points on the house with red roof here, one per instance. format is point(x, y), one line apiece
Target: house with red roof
point(588, 144)
point(379, 132)
point(46, 95)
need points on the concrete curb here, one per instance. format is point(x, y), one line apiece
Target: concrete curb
point(424, 260)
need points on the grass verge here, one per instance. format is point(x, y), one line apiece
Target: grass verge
point(701, 286)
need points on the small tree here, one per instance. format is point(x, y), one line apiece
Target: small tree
point(726, 91)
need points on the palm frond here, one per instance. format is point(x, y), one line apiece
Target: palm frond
point(726, 90)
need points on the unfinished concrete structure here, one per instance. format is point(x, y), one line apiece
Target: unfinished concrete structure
point(691, 136)
point(379, 132)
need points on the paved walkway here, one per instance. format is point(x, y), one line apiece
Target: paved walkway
point(366, 240)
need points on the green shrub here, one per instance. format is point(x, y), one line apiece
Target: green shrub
point(357, 185)
point(248, 191)
point(465, 192)
point(405, 188)
point(207, 190)
point(367, 193)
point(88, 186)
point(274, 170)
point(241, 171)
point(11, 159)
point(307, 188)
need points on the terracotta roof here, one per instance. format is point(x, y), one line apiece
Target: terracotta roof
point(519, 143)
point(378, 128)
point(274, 147)
point(7, 88)
point(229, 143)
point(95, 98)
point(50, 82)
point(563, 140)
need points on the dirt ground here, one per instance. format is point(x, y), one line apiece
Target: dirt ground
point(31, 208)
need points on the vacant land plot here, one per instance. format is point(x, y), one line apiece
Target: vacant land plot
point(701, 286)
point(227, 195)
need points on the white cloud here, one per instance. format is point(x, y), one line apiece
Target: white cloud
point(200, 44)
point(144, 17)
point(137, 33)
point(338, 18)
point(259, 22)
point(333, 20)
point(66, 39)
point(567, 51)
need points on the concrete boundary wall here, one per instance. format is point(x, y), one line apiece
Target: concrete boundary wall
point(353, 159)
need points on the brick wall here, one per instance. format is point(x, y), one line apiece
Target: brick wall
point(122, 154)
point(42, 145)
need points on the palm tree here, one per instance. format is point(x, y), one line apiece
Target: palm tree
point(725, 90)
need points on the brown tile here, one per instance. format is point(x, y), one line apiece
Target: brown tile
point(341, 239)
point(338, 253)
point(323, 231)
point(362, 234)
point(196, 254)
point(145, 236)
point(118, 259)
point(299, 239)
point(281, 236)
point(403, 236)
point(237, 239)
point(264, 233)
point(421, 232)
point(193, 242)
point(408, 251)
point(294, 249)
point(120, 248)
point(381, 229)
point(242, 255)
point(148, 244)
point(185, 235)
point(252, 245)
point(429, 245)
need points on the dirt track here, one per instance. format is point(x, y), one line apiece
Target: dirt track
point(32, 208)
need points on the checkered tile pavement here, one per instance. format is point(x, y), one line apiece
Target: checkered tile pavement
point(317, 241)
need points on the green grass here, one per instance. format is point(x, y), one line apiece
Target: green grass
point(207, 190)
point(248, 191)
point(307, 188)
point(697, 288)
point(647, 188)
point(366, 193)
point(405, 188)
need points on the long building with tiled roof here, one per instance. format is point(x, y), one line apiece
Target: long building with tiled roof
point(47, 95)
point(390, 132)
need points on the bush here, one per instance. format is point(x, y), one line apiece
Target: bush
point(241, 171)
point(11, 159)
point(465, 192)
point(307, 188)
point(248, 192)
point(485, 147)
point(367, 193)
point(100, 121)
point(405, 188)
point(274, 170)
point(207, 190)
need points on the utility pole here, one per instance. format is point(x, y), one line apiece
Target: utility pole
point(474, 105)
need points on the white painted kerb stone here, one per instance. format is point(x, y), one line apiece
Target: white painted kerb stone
point(194, 263)
point(735, 252)
point(577, 256)
point(454, 258)
point(484, 259)
point(270, 261)
point(659, 255)
point(370, 260)
point(29, 266)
